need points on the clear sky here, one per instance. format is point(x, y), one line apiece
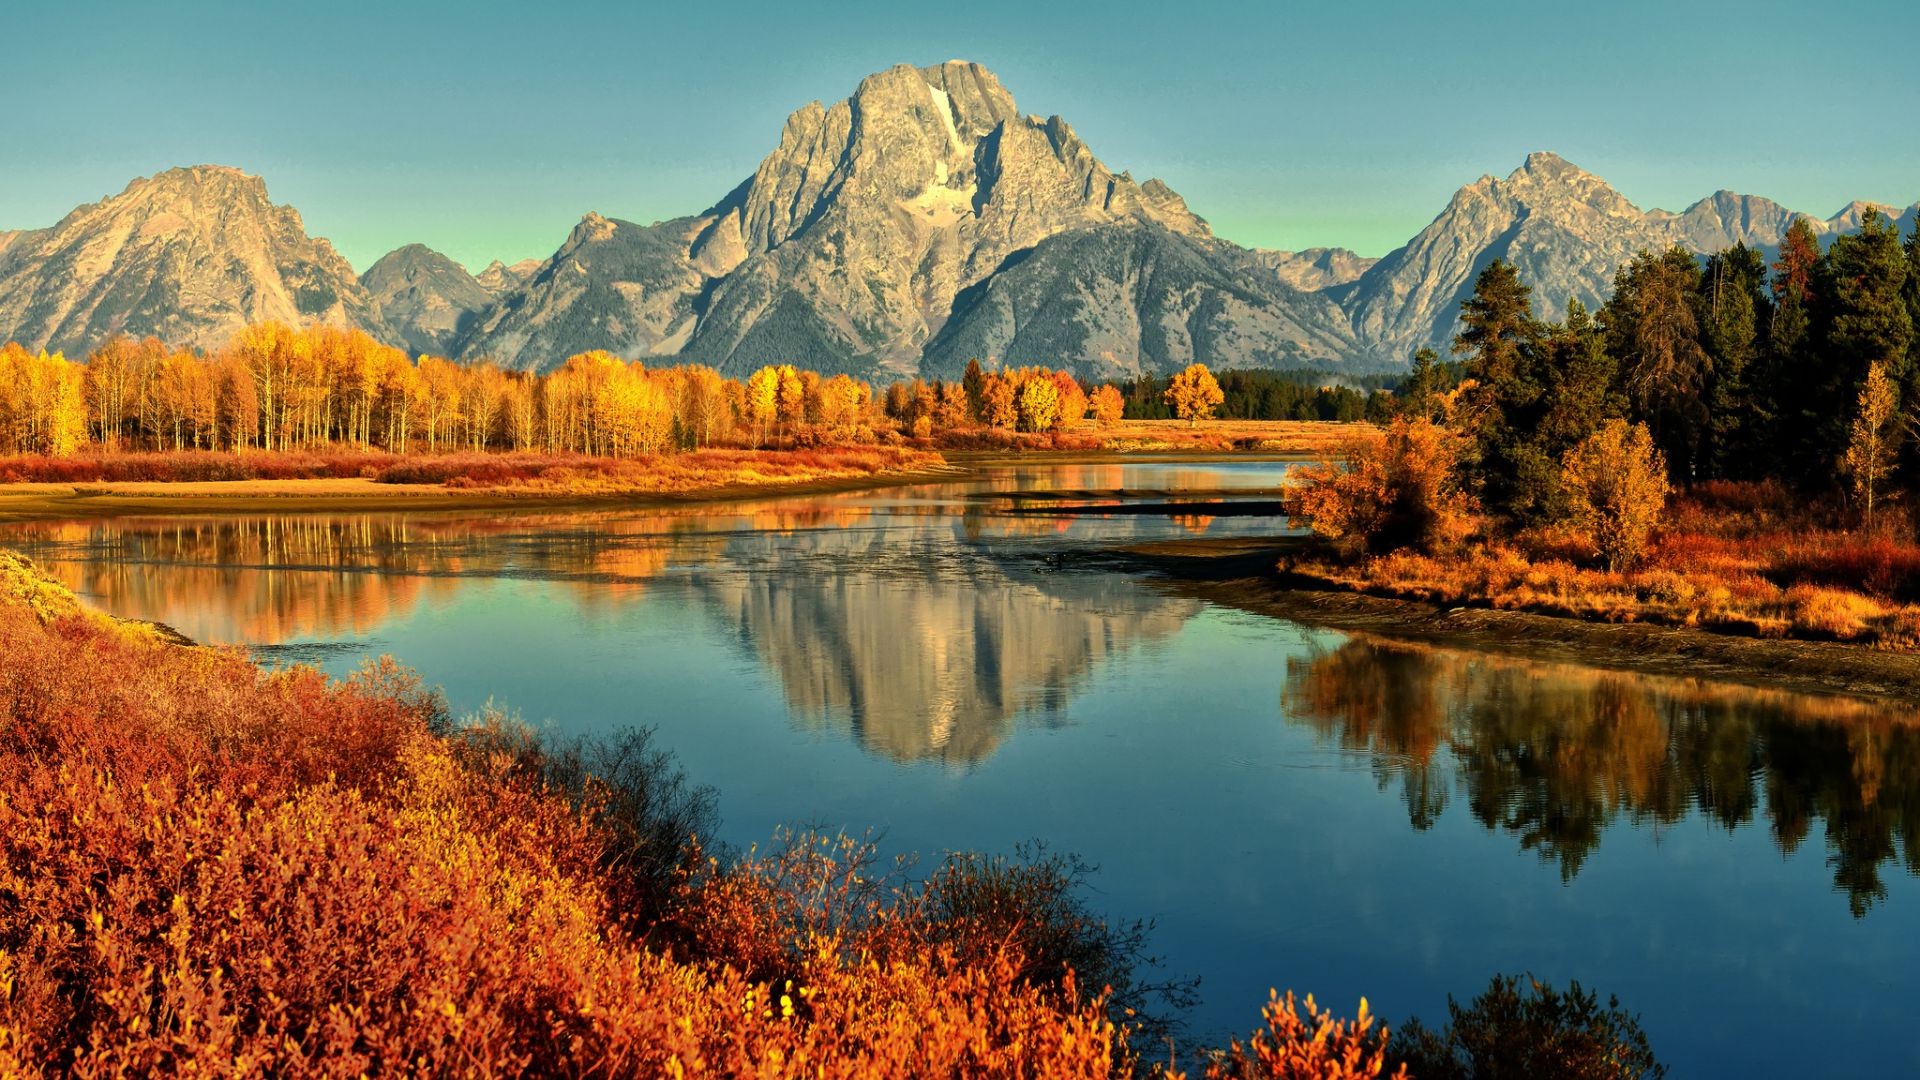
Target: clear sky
point(486, 129)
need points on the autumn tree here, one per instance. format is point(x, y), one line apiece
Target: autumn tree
point(1107, 405)
point(1873, 438)
point(1038, 402)
point(997, 394)
point(763, 401)
point(1382, 491)
point(1617, 484)
point(1194, 394)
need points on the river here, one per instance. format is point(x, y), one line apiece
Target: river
point(957, 665)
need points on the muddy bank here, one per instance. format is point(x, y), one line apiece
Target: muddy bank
point(1240, 574)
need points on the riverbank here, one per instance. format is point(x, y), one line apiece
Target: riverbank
point(762, 474)
point(1241, 574)
point(721, 477)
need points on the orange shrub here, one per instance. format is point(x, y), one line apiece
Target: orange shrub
point(208, 868)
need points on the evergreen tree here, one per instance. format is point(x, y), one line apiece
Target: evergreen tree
point(1421, 387)
point(1784, 386)
point(1866, 323)
point(975, 384)
point(1734, 302)
point(1499, 338)
point(1652, 325)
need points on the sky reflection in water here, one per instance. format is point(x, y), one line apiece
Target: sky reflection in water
point(1297, 807)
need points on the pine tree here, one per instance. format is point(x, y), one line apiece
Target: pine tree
point(1733, 298)
point(975, 384)
point(1652, 325)
point(1499, 338)
point(1786, 382)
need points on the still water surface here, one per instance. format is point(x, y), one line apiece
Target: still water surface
point(956, 664)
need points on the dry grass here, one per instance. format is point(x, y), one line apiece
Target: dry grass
point(1741, 559)
point(351, 473)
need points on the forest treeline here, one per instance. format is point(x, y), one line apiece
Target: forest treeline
point(1718, 445)
point(275, 387)
point(1806, 372)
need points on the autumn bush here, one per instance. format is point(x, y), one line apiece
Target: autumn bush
point(211, 868)
point(1388, 490)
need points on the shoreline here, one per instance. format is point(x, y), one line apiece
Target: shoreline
point(28, 502)
point(1240, 574)
point(109, 498)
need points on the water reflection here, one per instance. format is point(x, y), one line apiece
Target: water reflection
point(923, 623)
point(921, 647)
point(1552, 754)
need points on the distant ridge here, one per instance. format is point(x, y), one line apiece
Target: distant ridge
point(919, 223)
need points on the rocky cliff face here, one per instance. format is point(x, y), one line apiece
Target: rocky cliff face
point(853, 241)
point(425, 298)
point(187, 255)
point(1564, 229)
point(1132, 298)
point(498, 277)
point(1314, 268)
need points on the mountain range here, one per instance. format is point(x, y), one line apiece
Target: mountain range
point(922, 221)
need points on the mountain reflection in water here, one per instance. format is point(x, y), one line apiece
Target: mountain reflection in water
point(925, 635)
point(1551, 753)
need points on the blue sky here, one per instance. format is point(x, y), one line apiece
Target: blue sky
point(485, 130)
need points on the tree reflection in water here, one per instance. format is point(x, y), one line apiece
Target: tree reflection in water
point(1552, 754)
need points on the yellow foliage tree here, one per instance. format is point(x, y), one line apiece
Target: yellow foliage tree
point(1873, 437)
point(1617, 481)
point(1107, 405)
point(1194, 394)
point(1039, 402)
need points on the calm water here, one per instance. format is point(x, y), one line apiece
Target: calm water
point(957, 665)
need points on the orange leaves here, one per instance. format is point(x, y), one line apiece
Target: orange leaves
point(1385, 491)
point(1317, 1046)
point(1194, 393)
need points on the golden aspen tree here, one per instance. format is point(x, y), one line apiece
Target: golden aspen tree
point(763, 401)
point(1194, 394)
point(1874, 437)
point(1617, 481)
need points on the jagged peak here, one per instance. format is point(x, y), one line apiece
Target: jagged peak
point(225, 177)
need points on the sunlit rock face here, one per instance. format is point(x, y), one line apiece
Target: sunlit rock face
point(425, 298)
point(923, 655)
point(1565, 230)
point(877, 221)
point(188, 256)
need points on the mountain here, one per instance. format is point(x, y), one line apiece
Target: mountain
point(1565, 230)
point(186, 255)
point(425, 298)
point(498, 277)
point(1314, 268)
point(919, 223)
point(867, 229)
point(1134, 298)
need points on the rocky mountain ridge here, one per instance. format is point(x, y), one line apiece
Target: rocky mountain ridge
point(920, 222)
point(185, 255)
